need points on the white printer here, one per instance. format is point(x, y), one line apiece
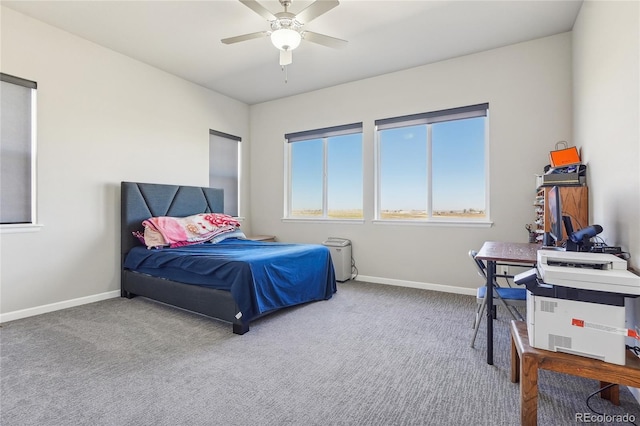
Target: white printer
point(576, 303)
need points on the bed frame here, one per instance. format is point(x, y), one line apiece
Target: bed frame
point(143, 200)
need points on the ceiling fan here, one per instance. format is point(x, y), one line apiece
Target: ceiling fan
point(287, 28)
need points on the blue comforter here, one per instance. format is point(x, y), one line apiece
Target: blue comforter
point(261, 276)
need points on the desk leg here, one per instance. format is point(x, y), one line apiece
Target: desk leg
point(528, 390)
point(515, 362)
point(612, 394)
point(491, 272)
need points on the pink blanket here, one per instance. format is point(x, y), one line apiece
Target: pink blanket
point(181, 231)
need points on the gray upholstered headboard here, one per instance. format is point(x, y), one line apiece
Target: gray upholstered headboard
point(140, 201)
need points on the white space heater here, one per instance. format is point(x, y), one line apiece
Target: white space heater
point(340, 249)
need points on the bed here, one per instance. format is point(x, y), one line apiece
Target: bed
point(234, 280)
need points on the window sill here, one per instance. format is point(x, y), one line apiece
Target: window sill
point(386, 222)
point(322, 220)
point(19, 228)
point(435, 222)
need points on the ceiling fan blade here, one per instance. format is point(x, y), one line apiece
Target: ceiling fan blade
point(286, 57)
point(244, 37)
point(324, 40)
point(316, 9)
point(259, 9)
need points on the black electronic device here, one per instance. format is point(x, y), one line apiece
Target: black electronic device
point(585, 233)
point(581, 240)
point(554, 204)
point(568, 228)
point(606, 249)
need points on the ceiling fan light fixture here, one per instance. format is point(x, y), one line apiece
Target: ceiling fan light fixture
point(286, 39)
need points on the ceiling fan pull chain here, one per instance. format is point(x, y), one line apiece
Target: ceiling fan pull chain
point(286, 77)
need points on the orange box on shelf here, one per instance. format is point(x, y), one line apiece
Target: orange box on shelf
point(564, 157)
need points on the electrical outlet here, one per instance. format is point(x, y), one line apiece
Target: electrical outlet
point(503, 270)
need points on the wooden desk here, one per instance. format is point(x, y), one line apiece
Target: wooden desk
point(526, 360)
point(493, 252)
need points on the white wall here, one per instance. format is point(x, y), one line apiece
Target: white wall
point(606, 58)
point(102, 118)
point(528, 87)
point(606, 63)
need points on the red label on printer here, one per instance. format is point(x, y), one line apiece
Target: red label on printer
point(606, 328)
point(577, 322)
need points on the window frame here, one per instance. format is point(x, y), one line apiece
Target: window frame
point(428, 119)
point(324, 134)
point(31, 225)
point(238, 139)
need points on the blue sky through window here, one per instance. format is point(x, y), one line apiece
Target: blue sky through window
point(306, 175)
point(457, 171)
point(344, 178)
point(403, 171)
point(344, 174)
point(458, 165)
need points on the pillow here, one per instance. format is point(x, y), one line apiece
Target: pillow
point(180, 231)
point(153, 238)
point(235, 233)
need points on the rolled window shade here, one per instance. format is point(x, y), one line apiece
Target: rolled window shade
point(327, 132)
point(17, 108)
point(471, 111)
point(224, 168)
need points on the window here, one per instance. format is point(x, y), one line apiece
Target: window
point(17, 150)
point(224, 168)
point(432, 166)
point(325, 173)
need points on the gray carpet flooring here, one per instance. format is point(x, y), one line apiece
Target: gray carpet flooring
point(372, 355)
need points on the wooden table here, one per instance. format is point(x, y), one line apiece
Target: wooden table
point(526, 360)
point(493, 252)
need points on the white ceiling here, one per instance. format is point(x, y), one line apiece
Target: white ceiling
point(183, 37)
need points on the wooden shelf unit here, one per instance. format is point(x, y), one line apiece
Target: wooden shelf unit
point(575, 204)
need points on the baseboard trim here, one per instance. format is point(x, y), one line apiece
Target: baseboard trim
point(416, 284)
point(38, 310)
